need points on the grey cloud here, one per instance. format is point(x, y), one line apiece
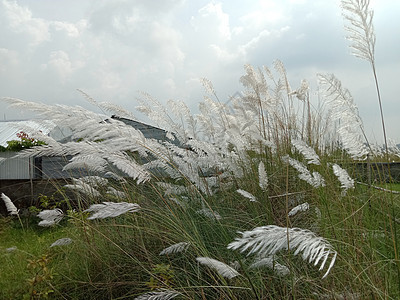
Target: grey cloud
point(111, 49)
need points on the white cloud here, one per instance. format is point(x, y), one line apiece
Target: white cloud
point(253, 43)
point(223, 54)
point(59, 63)
point(212, 21)
point(20, 21)
point(72, 30)
point(9, 59)
point(112, 48)
point(266, 14)
point(166, 40)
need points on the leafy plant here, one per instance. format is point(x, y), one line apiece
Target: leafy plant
point(24, 142)
point(162, 276)
point(40, 283)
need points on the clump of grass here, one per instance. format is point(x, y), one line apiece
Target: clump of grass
point(270, 176)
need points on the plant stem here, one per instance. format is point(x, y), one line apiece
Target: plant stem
point(393, 227)
point(381, 110)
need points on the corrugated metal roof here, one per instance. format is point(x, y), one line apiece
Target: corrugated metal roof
point(149, 131)
point(9, 129)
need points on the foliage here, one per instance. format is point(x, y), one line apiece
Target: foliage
point(24, 142)
point(162, 276)
point(39, 284)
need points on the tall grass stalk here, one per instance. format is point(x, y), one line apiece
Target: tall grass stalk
point(362, 36)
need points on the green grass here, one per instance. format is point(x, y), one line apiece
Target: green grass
point(119, 258)
point(30, 243)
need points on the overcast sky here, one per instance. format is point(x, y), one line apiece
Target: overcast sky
point(112, 49)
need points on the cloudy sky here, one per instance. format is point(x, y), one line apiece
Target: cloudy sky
point(111, 49)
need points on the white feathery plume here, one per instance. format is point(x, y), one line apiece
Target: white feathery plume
point(155, 111)
point(50, 217)
point(345, 113)
point(11, 208)
point(247, 195)
point(377, 150)
point(115, 176)
point(182, 202)
point(212, 214)
point(270, 263)
point(175, 248)
point(129, 166)
point(346, 181)
point(393, 148)
point(89, 164)
point(302, 207)
point(94, 180)
point(306, 151)
point(115, 192)
point(223, 269)
point(280, 68)
point(207, 84)
point(116, 110)
point(187, 127)
point(262, 176)
point(85, 188)
point(318, 180)
point(315, 179)
point(111, 209)
point(361, 29)
point(62, 242)
point(159, 295)
point(302, 92)
point(172, 189)
point(269, 240)
point(107, 106)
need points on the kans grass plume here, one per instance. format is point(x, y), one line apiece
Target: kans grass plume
point(83, 187)
point(159, 295)
point(222, 269)
point(175, 248)
point(247, 195)
point(272, 264)
point(50, 217)
point(360, 28)
point(315, 179)
point(299, 208)
point(61, 242)
point(11, 208)
point(269, 240)
point(346, 181)
point(212, 214)
point(308, 152)
point(262, 176)
point(344, 112)
point(111, 209)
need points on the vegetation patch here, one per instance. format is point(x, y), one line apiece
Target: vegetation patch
point(255, 200)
